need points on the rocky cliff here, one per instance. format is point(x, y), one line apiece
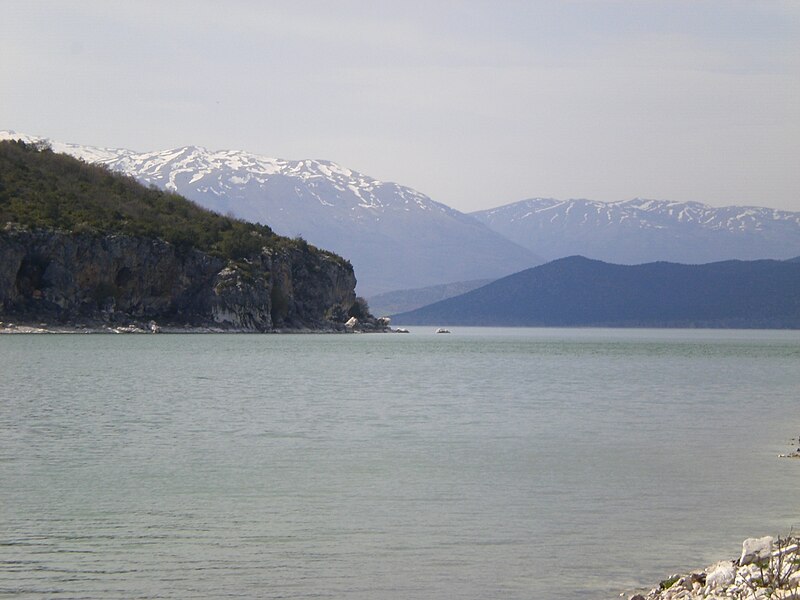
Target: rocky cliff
point(80, 245)
point(72, 278)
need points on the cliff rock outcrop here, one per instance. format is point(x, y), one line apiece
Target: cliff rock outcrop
point(67, 278)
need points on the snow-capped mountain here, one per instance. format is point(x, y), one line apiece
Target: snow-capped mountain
point(639, 231)
point(396, 237)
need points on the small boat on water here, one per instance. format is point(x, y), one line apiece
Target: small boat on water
point(401, 330)
point(442, 330)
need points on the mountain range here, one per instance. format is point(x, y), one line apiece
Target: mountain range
point(577, 291)
point(638, 231)
point(395, 237)
point(398, 239)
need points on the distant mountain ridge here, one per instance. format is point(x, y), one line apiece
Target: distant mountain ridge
point(638, 231)
point(405, 300)
point(396, 237)
point(577, 291)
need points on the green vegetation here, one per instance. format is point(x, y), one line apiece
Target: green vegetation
point(359, 309)
point(669, 582)
point(40, 189)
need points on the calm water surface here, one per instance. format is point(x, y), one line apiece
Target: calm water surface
point(489, 463)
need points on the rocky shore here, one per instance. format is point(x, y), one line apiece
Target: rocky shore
point(768, 568)
point(367, 326)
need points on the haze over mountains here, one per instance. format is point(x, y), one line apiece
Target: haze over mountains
point(638, 231)
point(399, 239)
point(399, 301)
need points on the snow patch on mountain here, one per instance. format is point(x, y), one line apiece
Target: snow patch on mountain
point(641, 229)
point(396, 237)
point(644, 213)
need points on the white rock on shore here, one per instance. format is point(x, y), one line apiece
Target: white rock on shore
point(768, 568)
point(756, 549)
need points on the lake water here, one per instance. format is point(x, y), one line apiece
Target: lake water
point(489, 463)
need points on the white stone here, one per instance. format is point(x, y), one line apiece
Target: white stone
point(721, 574)
point(756, 549)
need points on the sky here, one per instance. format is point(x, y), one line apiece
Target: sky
point(474, 103)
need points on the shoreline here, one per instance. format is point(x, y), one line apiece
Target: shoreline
point(27, 328)
point(768, 568)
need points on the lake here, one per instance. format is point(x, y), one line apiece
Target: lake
point(488, 463)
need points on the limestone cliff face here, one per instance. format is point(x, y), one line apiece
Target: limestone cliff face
point(62, 277)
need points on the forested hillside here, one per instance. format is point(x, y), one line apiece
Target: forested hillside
point(80, 243)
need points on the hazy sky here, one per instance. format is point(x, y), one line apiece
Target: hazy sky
point(476, 104)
